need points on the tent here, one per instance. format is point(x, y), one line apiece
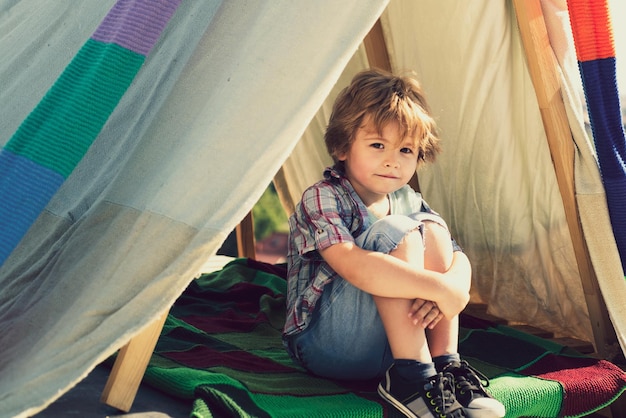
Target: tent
point(138, 133)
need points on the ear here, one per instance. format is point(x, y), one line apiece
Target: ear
point(341, 155)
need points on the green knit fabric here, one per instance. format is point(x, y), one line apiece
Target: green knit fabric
point(527, 396)
point(63, 126)
point(221, 347)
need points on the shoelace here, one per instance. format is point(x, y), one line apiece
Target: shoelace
point(440, 393)
point(469, 379)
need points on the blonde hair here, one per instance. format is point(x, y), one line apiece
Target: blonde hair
point(386, 98)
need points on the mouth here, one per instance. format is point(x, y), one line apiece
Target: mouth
point(388, 176)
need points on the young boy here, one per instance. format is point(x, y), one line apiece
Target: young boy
point(375, 282)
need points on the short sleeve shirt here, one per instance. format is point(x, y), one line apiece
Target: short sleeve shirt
point(330, 212)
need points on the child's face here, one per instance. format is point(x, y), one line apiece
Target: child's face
point(379, 164)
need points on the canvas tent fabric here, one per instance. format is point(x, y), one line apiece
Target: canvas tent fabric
point(55, 136)
point(219, 104)
point(149, 202)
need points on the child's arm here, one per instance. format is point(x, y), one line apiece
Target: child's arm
point(384, 275)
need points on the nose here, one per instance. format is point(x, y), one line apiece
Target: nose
point(391, 163)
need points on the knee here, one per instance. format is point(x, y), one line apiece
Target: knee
point(413, 240)
point(387, 233)
point(434, 231)
point(411, 248)
point(437, 247)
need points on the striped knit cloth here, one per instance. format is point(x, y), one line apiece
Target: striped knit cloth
point(595, 50)
point(56, 135)
point(221, 349)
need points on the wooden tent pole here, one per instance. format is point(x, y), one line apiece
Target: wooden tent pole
point(245, 237)
point(132, 360)
point(130, 366)
point(543, 72)
point(376, 48)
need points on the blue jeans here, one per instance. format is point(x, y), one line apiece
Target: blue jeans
point(346, 338)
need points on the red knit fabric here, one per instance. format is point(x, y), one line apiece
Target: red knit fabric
point(591, 26)
point(599, 380)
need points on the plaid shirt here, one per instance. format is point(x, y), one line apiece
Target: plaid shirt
point(329, 213)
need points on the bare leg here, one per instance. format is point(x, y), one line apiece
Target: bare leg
point(406, 340)
point(443, 339)
point(437, 247)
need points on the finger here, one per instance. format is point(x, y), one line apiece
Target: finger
point(416, 306)
point(435, 321)
point(431, 317)
point(425, 314)
point(426, 308)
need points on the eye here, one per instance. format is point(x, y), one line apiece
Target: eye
point(377, 145)
point(406, 150)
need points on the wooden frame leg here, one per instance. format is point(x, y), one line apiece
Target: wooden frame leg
point(132, 360)
point(130, 366)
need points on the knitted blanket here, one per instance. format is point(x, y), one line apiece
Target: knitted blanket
point(595, 51)
point(221, 346)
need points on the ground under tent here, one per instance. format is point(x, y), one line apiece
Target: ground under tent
point(138, 134)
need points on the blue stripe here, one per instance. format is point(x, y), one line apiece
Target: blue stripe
point(25, 187)
point(600, 84)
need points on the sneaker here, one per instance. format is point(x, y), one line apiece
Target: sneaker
point(429, 399)
point(470, 391)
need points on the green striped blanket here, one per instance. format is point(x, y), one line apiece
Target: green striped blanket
point(221, 346)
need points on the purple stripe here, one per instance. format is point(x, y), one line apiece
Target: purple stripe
point(136, 24)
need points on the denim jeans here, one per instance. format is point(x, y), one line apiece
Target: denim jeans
point(346, 338)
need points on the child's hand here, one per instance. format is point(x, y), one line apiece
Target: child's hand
point(425, 313)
